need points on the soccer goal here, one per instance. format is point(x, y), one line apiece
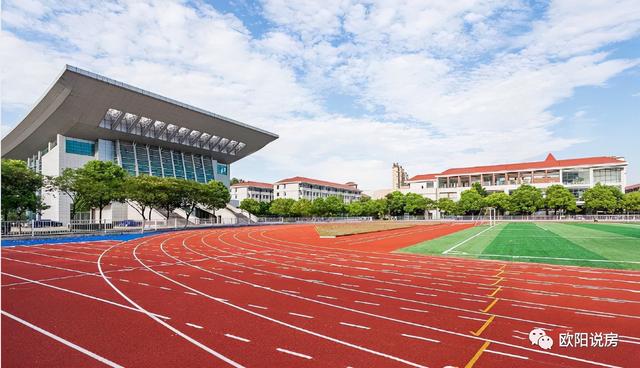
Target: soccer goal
point(490, 216)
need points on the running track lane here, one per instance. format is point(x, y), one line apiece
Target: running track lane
point(169, 279)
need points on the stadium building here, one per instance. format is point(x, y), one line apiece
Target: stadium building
point(577, 175)
point(261, 192)
point(84, 116)
point(299, 187)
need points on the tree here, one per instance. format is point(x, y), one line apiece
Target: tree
point(167, 196)
point(99, 183)
point(334, 205)
point(319, 207)
point(500, 201)
point(301, 208)
point(395, 203)
point(281, 207)
point(526, 199)
point(19, 187)
point(264, 208)
point(448, 206)
point(602, 198)
point(478, 187)
point(194, 194)
point(67, 183)
point(631, 202)
point(215, 196)
point(236, 181)
point(141, 193)
point(250, 205)
point(376, 208)
point(471, 201)
point(414, 204)
point(560, 198)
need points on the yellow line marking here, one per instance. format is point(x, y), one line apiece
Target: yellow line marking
point(495, 291)
point(491, 305)
point(496, 283)
point(484, 326)
point(477, 356)
point(499, 273)
point(503, 266)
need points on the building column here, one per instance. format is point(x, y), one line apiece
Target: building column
point(493, 178)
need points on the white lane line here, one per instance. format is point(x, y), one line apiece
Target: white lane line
point(425, 294)
point(293, 353)
point(207, 278)
point(350, 285)
point(356, 326)
point(300, 315)
point(595, 315)
point(164, 288)
point(414, 310)
point(232, 282)
point(441, 284)
point(472, 318)
point(526, 306)
point(257, 306)
point(183, 275)
point(194, 325)
point(518, 337)
point(123, 280)
point(383, 289)
point(291, 291)
point(367, 303)
point(190, 293)
point(68, 343)
point(473, 300)
point(420, 338)
point(466, 240)
point(143, 284)
point(326, 297)
point(506, 354)
point(237, 338)
point(630, 342)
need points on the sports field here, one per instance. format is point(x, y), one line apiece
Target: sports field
point(279, 296)
point(609, 245)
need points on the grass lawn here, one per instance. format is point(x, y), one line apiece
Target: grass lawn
point(347, 228)
point(579, 244)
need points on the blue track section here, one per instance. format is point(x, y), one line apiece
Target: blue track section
point(74, 239)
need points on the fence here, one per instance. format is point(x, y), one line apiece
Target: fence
point(41, 228)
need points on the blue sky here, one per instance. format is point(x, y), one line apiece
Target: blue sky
point(352, 87)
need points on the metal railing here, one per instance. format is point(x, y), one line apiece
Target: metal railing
point(42, 228)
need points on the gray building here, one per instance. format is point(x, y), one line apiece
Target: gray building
point(84, 116)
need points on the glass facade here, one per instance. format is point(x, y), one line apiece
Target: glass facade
point(143, 159)
point(154, 160)
point(576, 176)
point(607, 176)
point(197, 162)
point(79, 147)
point(167, 163)
point(208, 170)
point(178, 164)
point(222, 169)
point(188, 166)
point(106, 150)
point(127, 157)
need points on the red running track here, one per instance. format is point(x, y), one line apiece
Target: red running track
point(282, 297)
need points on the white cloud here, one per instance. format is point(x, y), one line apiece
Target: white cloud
point(438, 79)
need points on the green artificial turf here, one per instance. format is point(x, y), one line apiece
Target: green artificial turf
point(630, 231)
point(583, 244)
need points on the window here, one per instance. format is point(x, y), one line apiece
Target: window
point(578, 176)
point(79, 147)
point(606, 176)
point(222, 169)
